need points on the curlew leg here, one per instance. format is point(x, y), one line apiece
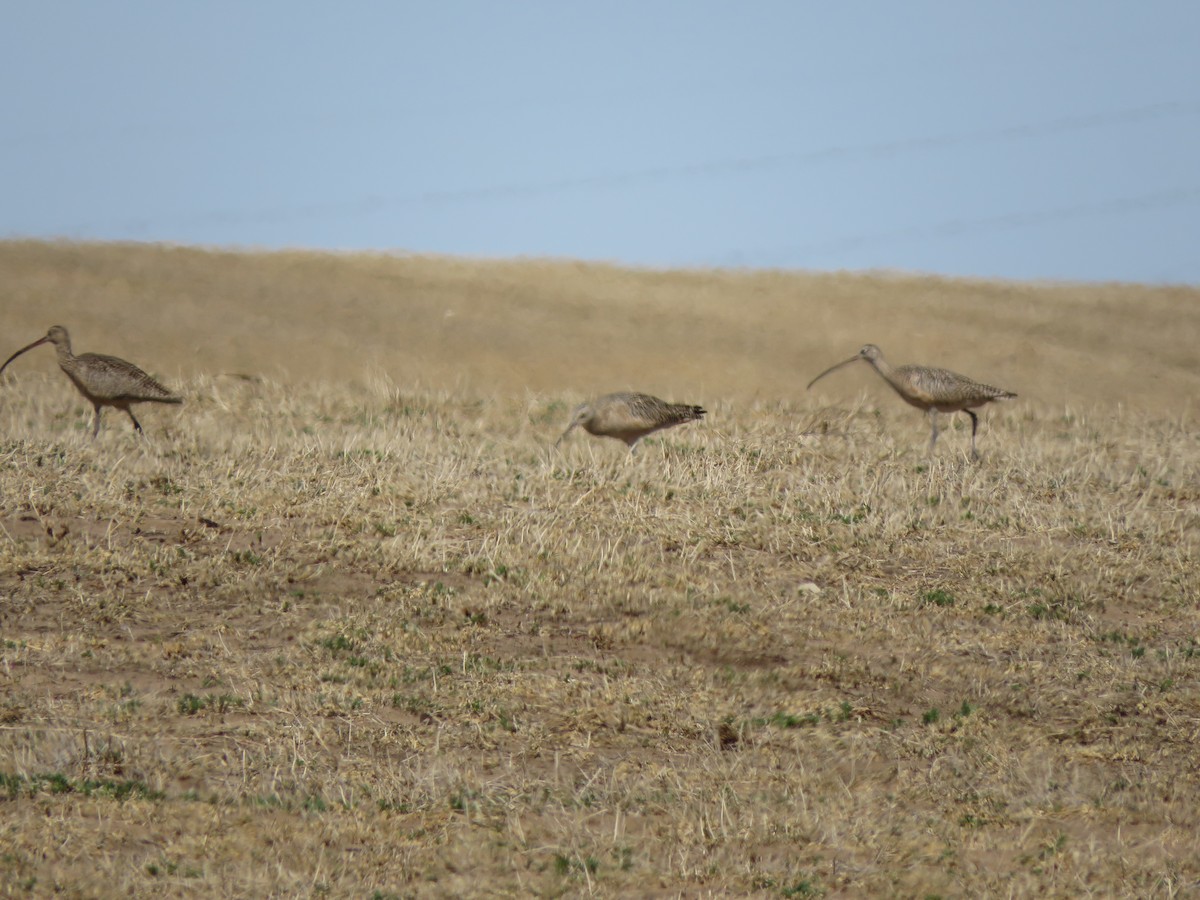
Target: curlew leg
point(974, 428)
point(96, 427)
point(137, 426)
point(933, 425)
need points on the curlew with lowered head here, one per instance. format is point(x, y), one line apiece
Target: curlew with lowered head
point(629, 417)
point(103, 380)
point(931, 389)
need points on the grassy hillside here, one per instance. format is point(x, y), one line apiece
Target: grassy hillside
point(499, 328)
point(348, 626)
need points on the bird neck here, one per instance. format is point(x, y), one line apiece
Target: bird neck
point(884, 368)
point(66, 359)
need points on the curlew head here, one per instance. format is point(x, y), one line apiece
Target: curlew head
point(581, 416)
point(868, 352)
point(57, 335)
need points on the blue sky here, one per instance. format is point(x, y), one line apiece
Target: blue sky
point(1022, 139)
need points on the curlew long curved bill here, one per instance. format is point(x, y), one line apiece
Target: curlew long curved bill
point(832, 369)
point(36, 343)
point(565, 433)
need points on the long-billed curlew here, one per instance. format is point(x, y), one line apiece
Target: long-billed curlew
point(103, 380)
point(931, 389)
point(629, 417)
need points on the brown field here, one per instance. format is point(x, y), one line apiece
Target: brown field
point(344, 624)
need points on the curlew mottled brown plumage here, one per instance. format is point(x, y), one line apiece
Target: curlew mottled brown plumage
point(629, 417)
point(103, 380)
point(931, 389)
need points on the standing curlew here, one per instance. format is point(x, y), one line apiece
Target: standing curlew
point(629, 417)
point(931, 389)
point(103, 380)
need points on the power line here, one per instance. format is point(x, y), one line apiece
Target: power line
point(278, 119)
point(1003, 222)
point(616, 180)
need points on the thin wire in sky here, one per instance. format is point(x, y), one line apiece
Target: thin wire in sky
point(372, 205)
point(1182, 196)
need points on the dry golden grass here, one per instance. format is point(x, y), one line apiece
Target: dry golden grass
point(349, 627)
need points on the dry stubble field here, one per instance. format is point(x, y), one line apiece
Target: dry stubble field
point(344, 624)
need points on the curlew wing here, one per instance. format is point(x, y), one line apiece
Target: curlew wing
point(943, 388)
point(926, 384)
point(113, 378)
point(655, 413)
